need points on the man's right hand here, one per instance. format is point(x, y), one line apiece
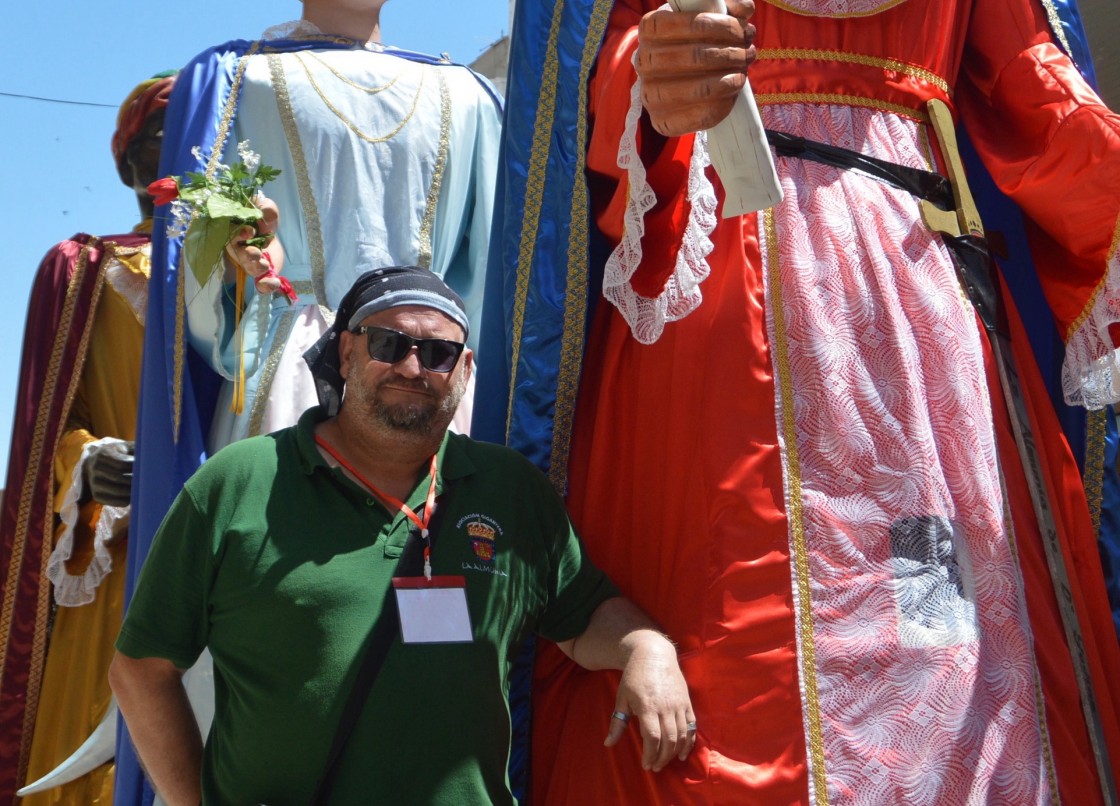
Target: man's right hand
point(693, 66)
point(107, 473)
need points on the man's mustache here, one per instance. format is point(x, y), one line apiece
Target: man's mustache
point(411, 384)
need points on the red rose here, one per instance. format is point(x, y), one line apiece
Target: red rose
point(164, 191)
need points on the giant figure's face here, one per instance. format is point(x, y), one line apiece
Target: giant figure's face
point(142, 155)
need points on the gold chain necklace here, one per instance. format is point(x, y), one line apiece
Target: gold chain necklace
point(349, 123)
point(347, 80)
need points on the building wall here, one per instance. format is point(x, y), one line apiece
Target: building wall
point(494, 61)
point(1102, 26)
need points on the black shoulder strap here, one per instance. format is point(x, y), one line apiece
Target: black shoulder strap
point(380, 639)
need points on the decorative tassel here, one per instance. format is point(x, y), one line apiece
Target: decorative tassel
point(237, 406)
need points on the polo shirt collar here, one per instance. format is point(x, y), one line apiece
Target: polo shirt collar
point(452, 459)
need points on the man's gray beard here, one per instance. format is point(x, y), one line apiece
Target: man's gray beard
point(420, 421)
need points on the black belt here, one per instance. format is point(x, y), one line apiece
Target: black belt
point(923, 184)
point(971, 252)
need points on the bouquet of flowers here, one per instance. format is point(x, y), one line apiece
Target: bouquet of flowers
point(208, 211)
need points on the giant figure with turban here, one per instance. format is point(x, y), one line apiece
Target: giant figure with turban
point(387, 157)
point(65, 518)
point(784, 433)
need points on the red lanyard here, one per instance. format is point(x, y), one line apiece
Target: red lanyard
point(392, 502)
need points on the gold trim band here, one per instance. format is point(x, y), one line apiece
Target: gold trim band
point(575, 300)
point(1095, 426)
point(842, 100)
point(804, 13)
point(891, 65)
point(351, 125)
point(303, 179)
point(1056, 25)
point(1092, 301)
point(345, 80)
point(279, 342)
point(534, 195)
point(799, 548)
point(424, 259)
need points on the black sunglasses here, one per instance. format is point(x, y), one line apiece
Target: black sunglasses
point(390, 346)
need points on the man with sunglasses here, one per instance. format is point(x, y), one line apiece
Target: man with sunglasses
point(285, 553)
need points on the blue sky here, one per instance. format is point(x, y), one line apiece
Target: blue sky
point(59, 177)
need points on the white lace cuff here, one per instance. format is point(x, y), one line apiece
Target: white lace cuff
point(74, 591)
point(681, 294)
point(1091, 370)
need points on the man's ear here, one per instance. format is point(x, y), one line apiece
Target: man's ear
point(346, 341)
point(468, 361)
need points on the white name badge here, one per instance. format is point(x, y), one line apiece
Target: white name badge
point(433, 611)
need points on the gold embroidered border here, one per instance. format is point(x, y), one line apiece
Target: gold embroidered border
point(800, 558)
point(1056, 25)
point(303, 179)
point(43, 604)
point(346, 80)
point(1044, 738)
point(279, 341)
point(39, 454)
point(180, 291)
point(575, 300)
point(303, 287)
point(351, 125)
point(534, 195)
point(803, 13)
point(841, 100)
point(1093, 297)
point(35, 458)
point(1095, 423)
point(893, 65)
point(228, 112)
point(1039, 699)
point(180, 345)
point(425, 258)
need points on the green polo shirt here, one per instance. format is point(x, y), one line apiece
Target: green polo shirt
point(279, 564)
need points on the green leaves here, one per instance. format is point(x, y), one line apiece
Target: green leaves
point(204, 244)
point(266, 173)
point(218, 207)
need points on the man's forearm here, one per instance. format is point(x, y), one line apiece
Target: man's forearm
point(162, 725)
point(652, 688)
point(618, 628)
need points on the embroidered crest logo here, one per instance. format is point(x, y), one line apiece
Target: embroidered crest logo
point(482, 540)
point(483, 534)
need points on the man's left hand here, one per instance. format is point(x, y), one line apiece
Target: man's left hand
point(654, 694)
point(652, 691)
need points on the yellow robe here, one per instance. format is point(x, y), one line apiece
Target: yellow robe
point(75, 691)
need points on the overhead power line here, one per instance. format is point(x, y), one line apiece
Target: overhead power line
point(57, 100)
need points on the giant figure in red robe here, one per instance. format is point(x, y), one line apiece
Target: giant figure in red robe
point(784, 434)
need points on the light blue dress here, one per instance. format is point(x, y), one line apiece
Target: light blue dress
point(385, 161)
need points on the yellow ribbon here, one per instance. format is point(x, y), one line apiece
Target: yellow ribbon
point(237, 405)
